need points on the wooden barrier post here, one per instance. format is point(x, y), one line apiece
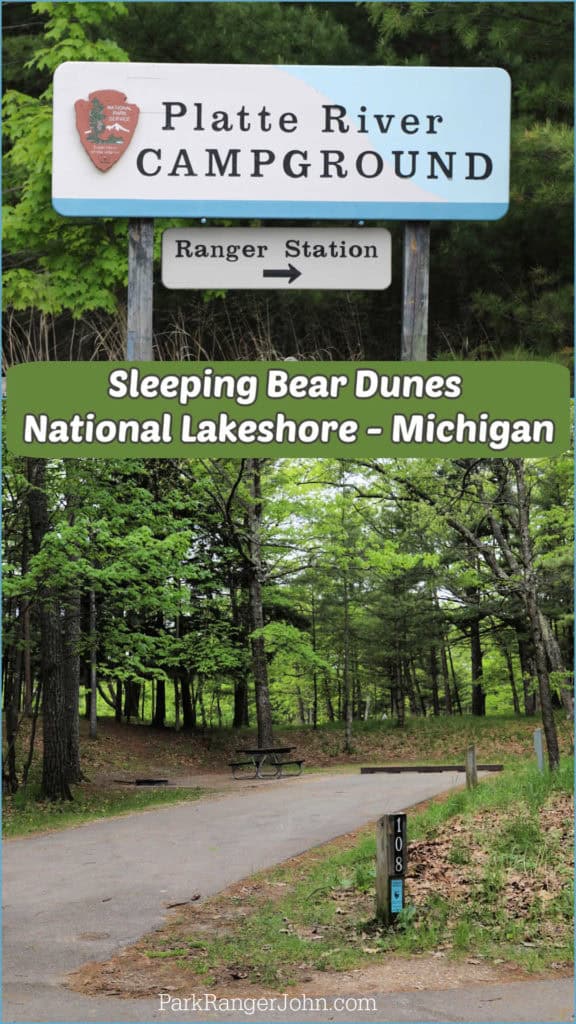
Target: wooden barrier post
point(538, 747)
point(140, 291)
point(390, 866)
point(415, 288)
point(471, 770)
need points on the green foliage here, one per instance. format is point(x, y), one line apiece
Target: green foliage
point(531, 249)
point(52, 267)
point(384, 574)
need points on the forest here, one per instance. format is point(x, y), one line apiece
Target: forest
point(209, 595)
point(498, 289)
point(206, 595)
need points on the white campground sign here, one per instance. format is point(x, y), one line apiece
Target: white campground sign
point(192, 140)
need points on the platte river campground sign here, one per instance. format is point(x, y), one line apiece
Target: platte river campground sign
point(192, 140)
point(323, 258)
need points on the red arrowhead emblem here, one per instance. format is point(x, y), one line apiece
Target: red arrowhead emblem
point(106, 124)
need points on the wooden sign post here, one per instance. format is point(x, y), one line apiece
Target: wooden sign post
point(181, 165)
point(415, 287)
point(539, 749)
point(390, 866)
point(471, 769)
point(139, 343)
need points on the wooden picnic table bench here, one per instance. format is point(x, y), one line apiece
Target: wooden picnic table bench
point(265, 763)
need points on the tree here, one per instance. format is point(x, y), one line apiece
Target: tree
point(181, 593)
point(255, 573)
point(56, 750)
point(512, 571)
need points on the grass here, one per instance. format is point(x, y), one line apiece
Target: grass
point(524, 785)
point(489, 876)
point(24, 814)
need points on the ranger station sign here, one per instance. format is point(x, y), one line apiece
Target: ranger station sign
point(293, 258)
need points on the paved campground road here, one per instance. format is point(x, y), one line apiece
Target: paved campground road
point(84, 893)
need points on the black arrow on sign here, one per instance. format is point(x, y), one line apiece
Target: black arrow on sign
point(292, 274)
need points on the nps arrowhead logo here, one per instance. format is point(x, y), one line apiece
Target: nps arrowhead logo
point(106, 124)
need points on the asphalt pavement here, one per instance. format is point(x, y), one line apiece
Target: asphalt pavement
point(84, 893)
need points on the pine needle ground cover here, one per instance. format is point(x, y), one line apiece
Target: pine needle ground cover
point(489, 887)
point(136, 748)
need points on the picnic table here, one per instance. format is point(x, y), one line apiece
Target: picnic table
point(265, 763)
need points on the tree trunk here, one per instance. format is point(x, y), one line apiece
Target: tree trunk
point(356, 683)
point(255, 575)
point(454, 683)
point(71, 680)
point(445, 678)
point(301, 706)
point(528, 668)
point(12, 688)
point(200, 699)
point(131, 700)
point(434, 682)
point(478, 695)
point(419, 693)
point(534, 618)
point(26, 635)
point(510, 668)
point(347, 696)
point(174, 675)
point(399, 693)
point(34, 723)
point(159, 720)
point(176, 685)
point(241, 709)
point(72, 633)
point(55, 761)
point(241, 705)
point(411, 690)
point(188, 706)
point(556, 663)
point(54, 784)
point(93, 668)
point(328, 698)
point(314, 672)
point(543, 680)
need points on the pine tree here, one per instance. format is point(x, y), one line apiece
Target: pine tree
point(96, 120)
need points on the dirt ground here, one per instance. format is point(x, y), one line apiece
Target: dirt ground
point(126, 750)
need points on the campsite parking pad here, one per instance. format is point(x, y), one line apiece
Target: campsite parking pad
point(84, 893)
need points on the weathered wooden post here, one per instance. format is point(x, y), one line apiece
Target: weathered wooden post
point(139, 344)
point(415, 288)
point(390, 866)
point(471, 770)
point(539, 748)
